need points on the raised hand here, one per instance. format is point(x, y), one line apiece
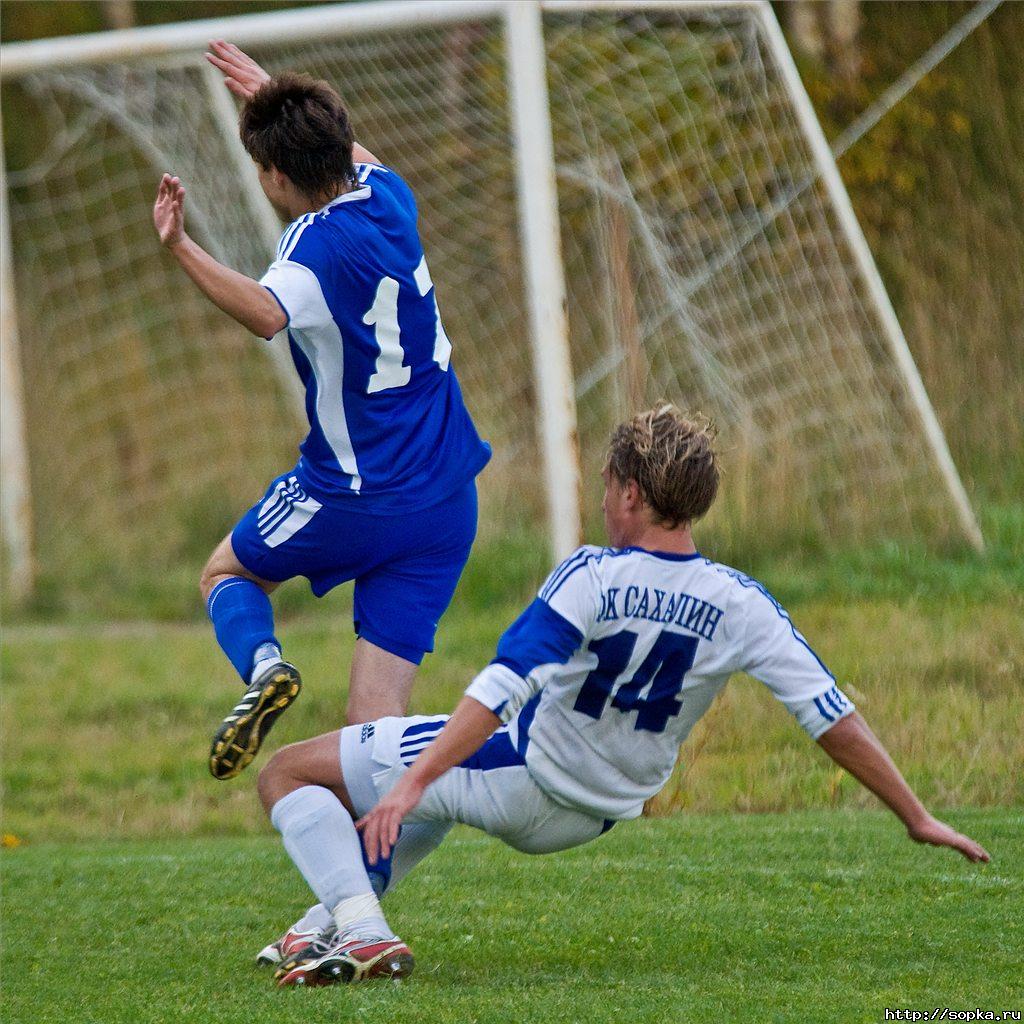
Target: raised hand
point(169, 211)
point(242, 75)
point(937, 833)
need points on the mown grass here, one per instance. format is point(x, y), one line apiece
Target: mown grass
point(106, 731)
point(809, 917)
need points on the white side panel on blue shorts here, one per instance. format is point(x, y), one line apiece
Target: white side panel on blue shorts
point(285, 512)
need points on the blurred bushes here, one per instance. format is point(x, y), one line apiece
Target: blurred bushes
point(938, 185)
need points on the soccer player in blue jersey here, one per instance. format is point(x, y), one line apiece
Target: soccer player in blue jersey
point(384, 491)
point(578, 720)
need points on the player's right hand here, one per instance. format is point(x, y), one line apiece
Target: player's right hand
point(938, 833)
point(242, 75)
point(380, 826)
point(169, 211)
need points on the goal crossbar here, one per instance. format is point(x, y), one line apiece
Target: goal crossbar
point(331, 21)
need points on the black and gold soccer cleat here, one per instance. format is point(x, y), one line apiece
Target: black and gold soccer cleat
point(238, 739)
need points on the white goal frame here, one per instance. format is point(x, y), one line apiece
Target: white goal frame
point(537, 209)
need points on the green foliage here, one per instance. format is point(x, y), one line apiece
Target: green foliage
point(937, 186)
point(902, 571)
point(812, 917)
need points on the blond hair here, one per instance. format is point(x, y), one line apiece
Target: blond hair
point(672, 459)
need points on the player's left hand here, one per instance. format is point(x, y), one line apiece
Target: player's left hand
point(169, 211)
point(380, 827)
point(938, 833)
point(242, 75)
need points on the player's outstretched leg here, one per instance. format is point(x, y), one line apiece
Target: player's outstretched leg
point(243, 620)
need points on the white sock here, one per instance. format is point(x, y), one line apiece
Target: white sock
point(361, 916)
point(416, 840)
point(266, 655)
point(317, 918)
point(321, 839)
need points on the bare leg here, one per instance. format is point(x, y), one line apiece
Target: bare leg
point(314, 762)
point(223, 564)
point(380, 684)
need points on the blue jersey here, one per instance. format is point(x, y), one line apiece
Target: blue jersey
point(389, 431)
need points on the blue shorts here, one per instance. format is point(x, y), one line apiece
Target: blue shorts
point(405, 567)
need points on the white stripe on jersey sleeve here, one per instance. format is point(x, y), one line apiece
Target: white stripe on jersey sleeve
point(574, 590)
point(299, 292)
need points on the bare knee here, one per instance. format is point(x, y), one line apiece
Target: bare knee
point(217, 569)
point(380, 684)
point(280, 775)
point(223, 565)
point(208, 579)
point(312, 762)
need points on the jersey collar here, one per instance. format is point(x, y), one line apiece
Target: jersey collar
point(670, 556)
point(363, 192)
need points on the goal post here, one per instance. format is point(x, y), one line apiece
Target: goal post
point(15, 489)
point(621, 202)
point(537, 195)
point(866, 265)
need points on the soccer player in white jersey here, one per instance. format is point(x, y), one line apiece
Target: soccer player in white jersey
point(384, 492)
point(578, 720)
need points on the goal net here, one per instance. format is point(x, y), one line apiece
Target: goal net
point(705, 262)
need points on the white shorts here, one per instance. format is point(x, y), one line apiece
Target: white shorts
point(492, 790)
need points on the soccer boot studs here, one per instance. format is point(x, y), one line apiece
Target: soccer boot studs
point(240, 735)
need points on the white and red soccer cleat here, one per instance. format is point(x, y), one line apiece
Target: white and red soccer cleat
point(291, 944)
point(344, 959)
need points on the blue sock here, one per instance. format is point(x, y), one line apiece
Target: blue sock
point(379, 873)
point(242, 619)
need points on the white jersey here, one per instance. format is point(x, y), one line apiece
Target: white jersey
point(605, 674)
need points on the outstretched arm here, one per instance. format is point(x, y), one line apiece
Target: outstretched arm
point(463, 735)
point(853, 746)
point(242, 298)
point(243, 76)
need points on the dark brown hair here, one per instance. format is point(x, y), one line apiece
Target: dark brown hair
point(300, 126)
point(671, 458)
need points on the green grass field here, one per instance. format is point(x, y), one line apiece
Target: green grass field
point(816, 916)
point(140, 889)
